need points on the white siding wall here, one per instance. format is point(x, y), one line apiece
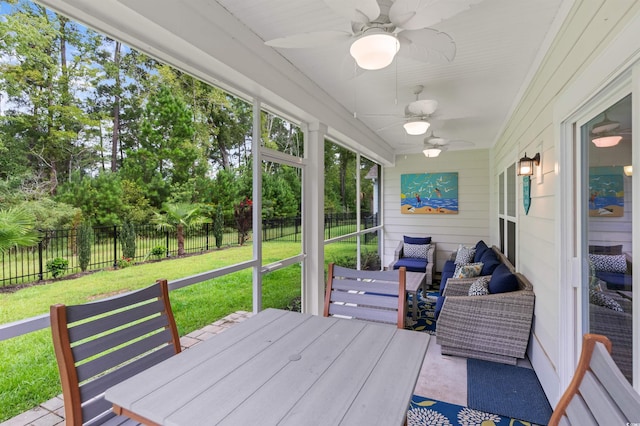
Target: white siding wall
point(447, 231)
point(590, 26)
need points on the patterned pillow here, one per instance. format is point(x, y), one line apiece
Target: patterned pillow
point(468, 271)
point(480, 287)
point(465, 255)
point(418, 251)
point(609, 262)
point(601, 299)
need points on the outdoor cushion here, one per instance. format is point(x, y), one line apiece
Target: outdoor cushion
point(447, 272)
point(490, 261)
point(439, 304)
point(606, 249)
point(417, 240)
point(417, 251)
point(480, 287)
point(464, 255)
point(609, 262)
point(502, 280)
point(469, 270)
point(481, 247)
point(615, 280)
point(412, 264)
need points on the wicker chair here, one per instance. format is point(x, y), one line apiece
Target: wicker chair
point(430, 263)
point(494, 327)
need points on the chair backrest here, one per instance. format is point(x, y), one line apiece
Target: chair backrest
point(103, 343)
point(598, 393)
point(367, 295)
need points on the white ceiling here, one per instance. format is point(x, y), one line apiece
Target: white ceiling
point(498, 42)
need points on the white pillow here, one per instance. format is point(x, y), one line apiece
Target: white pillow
point(480, 287)
point(464, 255)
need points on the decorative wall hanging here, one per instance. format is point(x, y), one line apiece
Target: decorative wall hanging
point(526, 193)
point(429, 193)
point(606, 192)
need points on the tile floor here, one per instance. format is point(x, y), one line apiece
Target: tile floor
point(442, 377)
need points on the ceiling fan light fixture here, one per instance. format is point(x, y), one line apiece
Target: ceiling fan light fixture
point(375, 49)
point(431, 152)
point(606, 141)
point(416, 127)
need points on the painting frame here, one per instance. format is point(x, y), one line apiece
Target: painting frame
point(429, 193)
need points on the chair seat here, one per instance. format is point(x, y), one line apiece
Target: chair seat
point(615, 280)
point(412, 264)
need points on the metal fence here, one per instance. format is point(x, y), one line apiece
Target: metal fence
point(23, 265)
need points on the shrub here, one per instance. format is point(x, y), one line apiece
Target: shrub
point(57, 266)
point(84, 240)
point(158, 251)
point(127, 238)
point(124, 262)
point(218, 226)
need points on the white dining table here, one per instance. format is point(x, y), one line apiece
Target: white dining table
point(282, 367)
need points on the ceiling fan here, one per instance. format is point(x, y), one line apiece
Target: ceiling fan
point(382, 28)
point(415, 115)
point(434, 145)
point(607, 133)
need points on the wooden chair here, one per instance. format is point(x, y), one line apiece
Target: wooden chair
point(100, 344)
point(598, 393)
point(367, 295)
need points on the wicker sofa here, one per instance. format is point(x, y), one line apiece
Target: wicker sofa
point(493, 327)
point(617, 326)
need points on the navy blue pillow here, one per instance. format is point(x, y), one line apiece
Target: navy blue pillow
point(481, 247)
point(417, 240)
point(502, 280)
point(490, 262)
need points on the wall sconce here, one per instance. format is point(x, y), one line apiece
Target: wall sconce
point(525, 165)
point(628, 170)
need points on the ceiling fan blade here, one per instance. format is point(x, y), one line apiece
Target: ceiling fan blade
point(314, 39)
point(417, 14)
point(355, 10)
point(427, 45)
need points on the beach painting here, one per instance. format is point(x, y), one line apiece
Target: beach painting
point(429, 193)
point(606, 192)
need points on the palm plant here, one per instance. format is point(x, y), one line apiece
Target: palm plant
point(17, 228)
point(178, 217)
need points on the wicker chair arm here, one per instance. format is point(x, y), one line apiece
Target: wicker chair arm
point(458, 286)
point(495, 323)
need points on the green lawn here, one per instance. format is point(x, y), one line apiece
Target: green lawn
point(28, 372)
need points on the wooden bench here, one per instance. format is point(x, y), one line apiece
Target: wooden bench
point(598, 393)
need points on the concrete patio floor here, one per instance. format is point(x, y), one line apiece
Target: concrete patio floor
point(442, 377)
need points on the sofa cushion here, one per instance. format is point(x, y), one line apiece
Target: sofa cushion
point(439, 304)
point(609, 262)
point(469, 270)
point(601, 299)
point(481, 247)
point(615, 280)
point(417, 240)
point(606, 249)
point(480, 287)
point(418, 251)
point(502, 280)
point(412, 264)
point(465, 255)
point(447, 272)
point(490, 262)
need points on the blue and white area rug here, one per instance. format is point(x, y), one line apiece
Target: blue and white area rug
point(426, 412)
point(425, 319)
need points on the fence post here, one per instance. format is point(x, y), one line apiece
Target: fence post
point(41, 272)
point(206, 226)
point(167, 241)
point(115, 246)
